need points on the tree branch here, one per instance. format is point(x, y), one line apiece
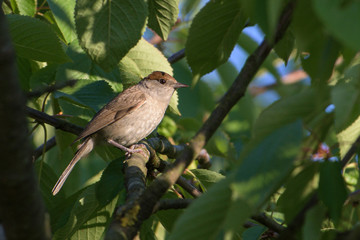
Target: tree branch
point(21, 208)
point(268, 222)
point(165, 204)
point(176, 56)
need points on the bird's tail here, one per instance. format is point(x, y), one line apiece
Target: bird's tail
point(83, 150)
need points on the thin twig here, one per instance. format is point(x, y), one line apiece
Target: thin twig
point(55, 122)
point(51, 88)
point(39, 150)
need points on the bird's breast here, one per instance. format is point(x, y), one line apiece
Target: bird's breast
point(136, 125)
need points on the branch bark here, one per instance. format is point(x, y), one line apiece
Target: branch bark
point(21, 208)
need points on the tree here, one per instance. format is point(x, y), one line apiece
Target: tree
point(231, 166)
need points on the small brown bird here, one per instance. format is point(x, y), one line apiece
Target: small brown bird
point(128, 118)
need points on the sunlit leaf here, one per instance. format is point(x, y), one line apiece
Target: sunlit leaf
point(35, 40)
point(107, 30)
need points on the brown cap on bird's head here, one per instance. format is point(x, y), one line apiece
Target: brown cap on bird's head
point(163, 77)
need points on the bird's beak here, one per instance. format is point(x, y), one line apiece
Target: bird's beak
point(180, 85)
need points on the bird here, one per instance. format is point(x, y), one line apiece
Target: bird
point(128, 118)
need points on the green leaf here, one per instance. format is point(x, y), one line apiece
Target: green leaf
point(44, 77)
point(25, 68)
point(339, 18)
point(107, 30)
point(206, 214)
point(94, 206)
point(219, 144)
point(346, 97)
point(228, 203)
point(146, 229)
point(174, 102)
point(95, 227)
point(63, 11)
point(47, 181)
point(142, 60)
point(169, 217)
point(212, 36)
point(78, 68)
point(207, 177)
point(285, 46)
point(284, 111)
point(35, 40)
point(312, 229)
point(111, 182)
point(332, 189)
point(84, 92)
point(348, 136)
point(298, 191)
point(323, 53)
point(167, 127)
point(306, 26)
point(26, 7)
point(162, 16)
point(81, 67)
point(264, 13)
point(254, 233)
point(261, 173)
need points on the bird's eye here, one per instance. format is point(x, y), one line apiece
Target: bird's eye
point(162, 81)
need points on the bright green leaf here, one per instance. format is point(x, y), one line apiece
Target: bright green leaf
point(35, 39)
point(332, 189)
point(142, 60)
point(207, 177)
point(348, 136)
point(162, 16)
point(63, 11)
point(167, 127)
point(212, 36)
point(26, 7)
point(107, 30)
point(174, 102)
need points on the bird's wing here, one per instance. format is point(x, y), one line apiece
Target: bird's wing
point(125, 103)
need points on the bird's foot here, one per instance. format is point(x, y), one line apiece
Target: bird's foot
point(128, 151)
